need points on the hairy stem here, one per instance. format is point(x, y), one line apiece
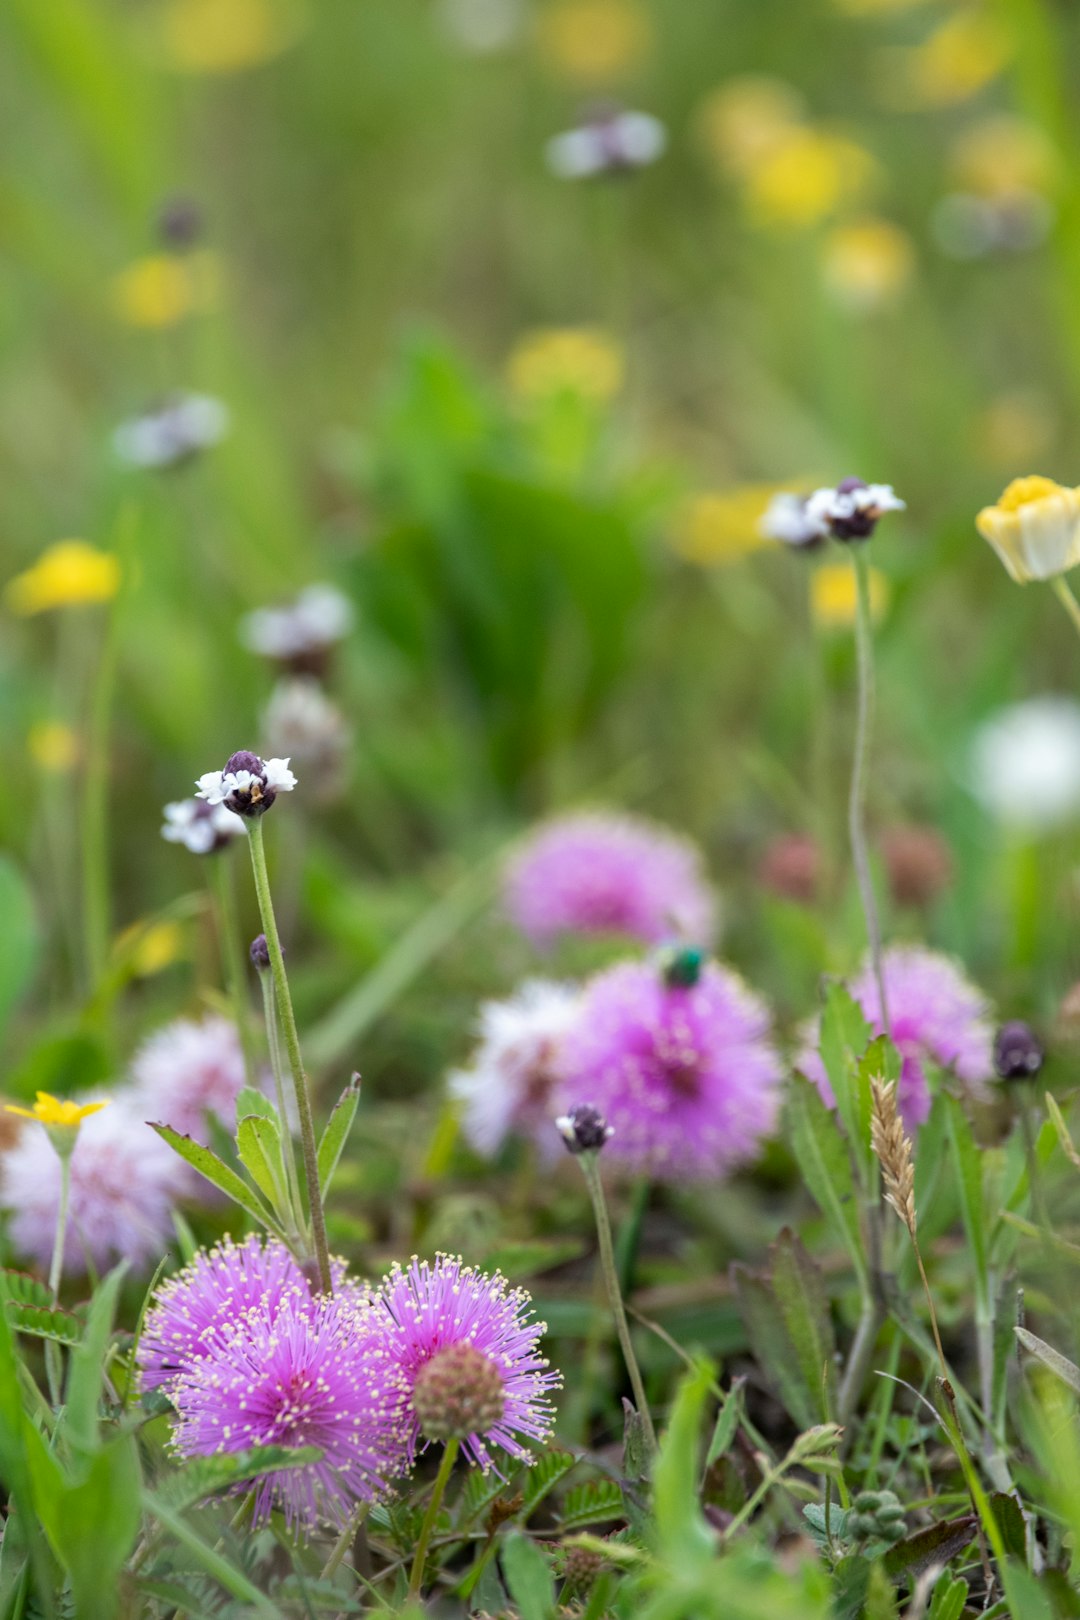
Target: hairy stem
point(232, 955)
point(266, 984)
point(591, 1170)
point(857, 801)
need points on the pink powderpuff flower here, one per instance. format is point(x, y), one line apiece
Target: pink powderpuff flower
point(513, 1081)
point(936, 1015)
point(602, 873)
point(124, 1183)
point(440, 1312)
point(188, 1070)
point(216, 1288)
point(300, 1372)
point(679, 1062)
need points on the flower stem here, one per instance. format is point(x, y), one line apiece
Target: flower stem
point(274, 1047)
point(53, 1366)
point(232, 955)
point(449, 1457)
point(591, 1171)
point(857, 802)
point(292, 1047)
point(1064, 593)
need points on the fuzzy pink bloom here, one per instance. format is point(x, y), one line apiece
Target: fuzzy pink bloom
point(124, 1183)
point(433, 1307)
point(599, 873)
point(936, 1015)
point(513, 1081)
point(293, 1371)
point(188, 1070)
point(686, 1075)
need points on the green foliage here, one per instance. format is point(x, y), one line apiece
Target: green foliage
point(786, 1312)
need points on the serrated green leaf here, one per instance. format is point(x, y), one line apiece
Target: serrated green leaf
point(528, 1577)
point(480, 1491)
point(595, 1501)
point(44, 1322)
point(201, 1477)
point(823, 1158)
point(336, 1133)
point(550, 1467)
point(216, 1171)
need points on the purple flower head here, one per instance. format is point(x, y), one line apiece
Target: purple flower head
point(851, 511)
point(124, 1183)
point(685, 1075)
point(437, 1308)
point(513, 1081)
point(218, 1287)
point(935, 1015)
point(188, 1070)
point(599, 873)
point(202, 828)
point(248, 785)
point(298, 1372)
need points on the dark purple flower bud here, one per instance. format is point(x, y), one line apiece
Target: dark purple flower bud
point(180, 222)
point(584, 1129)
point(260, 953)
point(1018, 1052)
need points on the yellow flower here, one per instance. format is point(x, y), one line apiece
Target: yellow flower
point(150, 948)
point(574, 360)
point(960, 58)
point(69, 574)
point(161, 289)
point(1002, 157)
point(594, 41)
point(867, 263)
point(833, 596)
point(53, 746)
point(52, 1111)
point(224, 36)
point(807, 176)
point(723, 527)
point(746, 119)
point(1034, 528)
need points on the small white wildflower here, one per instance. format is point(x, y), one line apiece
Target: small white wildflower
point(786, 519)
point(180, 427)
point(200, 826)
point(301, 631)
point(1025, 764)
point(248, 785)
point(610, 143)
point(851, 510)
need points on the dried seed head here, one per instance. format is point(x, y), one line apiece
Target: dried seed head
point(893, 1150)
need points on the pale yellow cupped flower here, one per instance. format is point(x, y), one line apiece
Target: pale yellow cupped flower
point(1034, 528)
point(70, 573)
point(834, 596)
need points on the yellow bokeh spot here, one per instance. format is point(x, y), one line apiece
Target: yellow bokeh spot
point(868, 263)
point(807, 177)
point(1002, 156)
point(163, 288)
point(224, 36)
point(875, 8)
point(151, 948)
point(52, 1111)
point(566, 360)
point(834, 598)
point(594, 42)
point(722, 527)
point(70, 574)
point(53, 746)
point(1019, 426)
point(746, 119)
point(960, 58)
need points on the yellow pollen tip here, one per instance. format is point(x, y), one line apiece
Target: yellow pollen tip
point(1026, 491)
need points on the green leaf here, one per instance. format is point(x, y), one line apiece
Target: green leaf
point(102, 1514)
point(86, 1367)
point(258, 1142)
point(823, 1157)
point(1010, 1521)
point(880, 1596)
point(549, 1468)
point(934, 1545)
point(949, 1600)
point(201, 1477)
point(967, 1160)
point(727, 1421)
point(824, 1527)
point(20, 937)
point(251, 1101)
point(217, 1172)
point(1066, 1370)
point(528, 1578)
point(685, 1540)
point(786, 1313)
point(44, 1322)
point(843, 1040)
point(595, 1501)
point(337, 1130)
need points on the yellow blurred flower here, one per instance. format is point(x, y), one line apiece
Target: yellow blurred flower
point(960, 58)
point(1002, 156)
point(594, 42)
point(53, 746)
point(225, 36)
point(807, 176)
point(1020, 425)
point(868, 263)
point(69, 574)
point(162, 288)
point(722, 527)
point(744, 120)
point(833, 596)
point(576, 360)
point(52, 1111)
point(875, 8)
point(150, 948)
point(1034, 528)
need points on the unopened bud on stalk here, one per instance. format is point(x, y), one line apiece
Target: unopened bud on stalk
point(1018, 1052)
point(584, 1130)
point(259, 951)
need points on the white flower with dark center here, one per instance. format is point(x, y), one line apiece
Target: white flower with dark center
point(611, 142)
point(201, 827)
point(851, 510)
point(1025, 764)
point(248, 785)
point(172, 432)
point(786, 519)
point(299, 633)
point(513, 1081)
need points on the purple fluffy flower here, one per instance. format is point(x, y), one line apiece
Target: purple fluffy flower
point(124, 1183)
point(936, 1015)
point(300, 1372)
point(188, 1070)
point(442, 1307)
point(598, 873)
point(684, 1073)
point(215, 1289)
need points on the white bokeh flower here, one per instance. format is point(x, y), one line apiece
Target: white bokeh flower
point(172, 432)
point(201, 827)
point(301, 722)
point(513, 1081)
point(851, 509)
point(786, 519)
point(300, 632)
point(612, 142)
point(1025, 764)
